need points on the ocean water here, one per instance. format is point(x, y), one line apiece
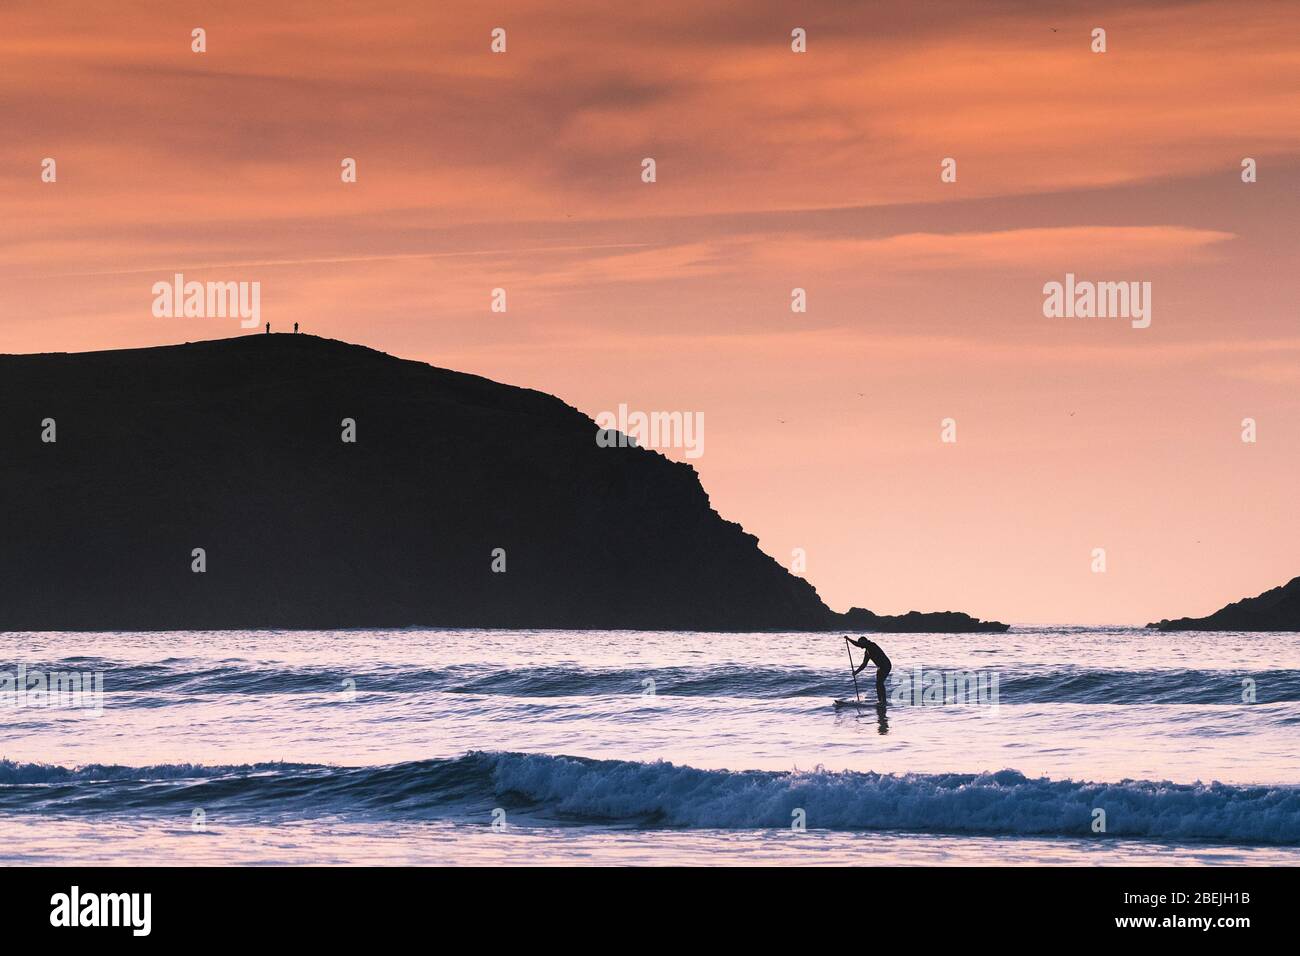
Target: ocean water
point(611, 747)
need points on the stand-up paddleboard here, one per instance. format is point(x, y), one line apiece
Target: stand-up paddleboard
point(850, 703)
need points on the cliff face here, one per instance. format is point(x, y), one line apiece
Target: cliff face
point(1275, 610)
point(234, 446)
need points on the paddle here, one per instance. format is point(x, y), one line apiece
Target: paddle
point(849, 651)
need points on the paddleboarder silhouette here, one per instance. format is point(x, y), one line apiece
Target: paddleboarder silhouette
point(875, 654)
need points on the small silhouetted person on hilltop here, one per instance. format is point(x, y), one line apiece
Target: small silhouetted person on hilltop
point(268, 328)
point(875, 654)
point(295, 328)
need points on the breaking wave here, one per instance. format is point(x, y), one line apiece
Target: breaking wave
point(545, 789)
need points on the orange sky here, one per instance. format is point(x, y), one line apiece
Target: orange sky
point(775, 170)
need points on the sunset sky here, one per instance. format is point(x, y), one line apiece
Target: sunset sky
point(775, 170)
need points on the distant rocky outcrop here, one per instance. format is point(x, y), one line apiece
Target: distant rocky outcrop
point(1275, 610)
point(917, 622)
point(235, 447)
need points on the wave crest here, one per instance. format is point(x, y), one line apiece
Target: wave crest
point(547, 788)
point(1017, 684)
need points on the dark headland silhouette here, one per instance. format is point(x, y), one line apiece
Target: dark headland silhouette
point(235, 447)
point(1274, 610)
